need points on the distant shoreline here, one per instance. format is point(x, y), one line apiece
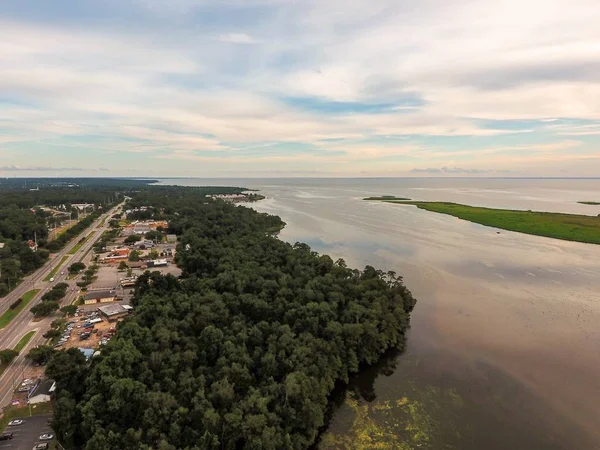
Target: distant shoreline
point(567, 227)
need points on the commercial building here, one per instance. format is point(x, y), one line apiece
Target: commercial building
point(104, 296)
point(113, 312)
point(157, 263)
point(42, 392)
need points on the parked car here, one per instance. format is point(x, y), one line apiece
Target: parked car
point(16, 422)
point(41, 446)
point(46, 437)
point(6, 436)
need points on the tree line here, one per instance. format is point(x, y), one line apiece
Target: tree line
point(242, 352)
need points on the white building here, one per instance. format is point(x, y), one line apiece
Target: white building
point(42, 392)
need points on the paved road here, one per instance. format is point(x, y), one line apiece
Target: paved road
point(22, 324)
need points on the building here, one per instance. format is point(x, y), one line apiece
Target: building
point(157, 263)
point(104, 296)
point(87, 352)
point(144, 244)
point(119, 252)
point(171, 238)
point(115, 259)
point(113, 312)
point(42, 392)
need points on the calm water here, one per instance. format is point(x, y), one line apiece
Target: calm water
point(504, 350)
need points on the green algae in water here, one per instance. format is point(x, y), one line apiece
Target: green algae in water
point(424, 418)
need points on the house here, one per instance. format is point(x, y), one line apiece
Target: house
point(103, 296)
point(113, 312)
point(42, 392)
point(171, 238)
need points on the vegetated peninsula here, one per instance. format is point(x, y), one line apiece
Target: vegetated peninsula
point(569, 227)
point(386, 198)
point(242, 352)
point(590, 203)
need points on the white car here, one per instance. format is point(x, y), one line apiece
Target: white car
point(16, 422)
point(46, 437)
point(43, 446)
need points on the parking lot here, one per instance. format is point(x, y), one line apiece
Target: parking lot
point(25, 436)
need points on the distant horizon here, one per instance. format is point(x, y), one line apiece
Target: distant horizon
point(151, 178)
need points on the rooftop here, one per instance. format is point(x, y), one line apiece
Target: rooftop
point(46, 387)
point(94, 295)
point(87, 352)
point(112, 310)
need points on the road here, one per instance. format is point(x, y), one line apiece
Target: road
point(22, 324)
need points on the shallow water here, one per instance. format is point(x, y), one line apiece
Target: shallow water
point(504, 350)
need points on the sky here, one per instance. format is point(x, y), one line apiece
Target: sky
point(310, 88)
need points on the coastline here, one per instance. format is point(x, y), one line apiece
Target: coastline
point(568, 227)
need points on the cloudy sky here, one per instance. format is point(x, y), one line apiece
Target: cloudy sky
point(300, 88)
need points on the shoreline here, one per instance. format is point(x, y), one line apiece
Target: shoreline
point(563, 226)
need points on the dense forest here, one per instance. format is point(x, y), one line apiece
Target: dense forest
point(22, 219)
point(242, 352)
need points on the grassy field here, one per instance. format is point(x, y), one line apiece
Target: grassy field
point(78, 246)
point(569, 227)
point(10, 314)
point(56, 268)
point(12, 412)
point(24, 341)
point(590, 203)
point(386, 198)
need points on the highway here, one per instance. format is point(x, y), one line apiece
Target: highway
point(22, 323)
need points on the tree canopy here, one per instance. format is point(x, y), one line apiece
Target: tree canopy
point(242, 352)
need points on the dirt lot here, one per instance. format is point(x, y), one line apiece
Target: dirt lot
point(94, 340)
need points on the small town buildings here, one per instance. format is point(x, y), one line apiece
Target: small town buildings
point(43, 392)
point(103, 296)
point(113, 312)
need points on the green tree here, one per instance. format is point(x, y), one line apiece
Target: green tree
point(154, 236)
point(134, 255)
point(153, 254)
point(41, 353)
point(68, 368)
point(52, 333)
point(132, 239)
point(7, 355)
point(44, 309)
point(122, 266)
point(69, 310)
point(76, 267)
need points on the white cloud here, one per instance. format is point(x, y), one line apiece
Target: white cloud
point(178, 87)
point(237, 38)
